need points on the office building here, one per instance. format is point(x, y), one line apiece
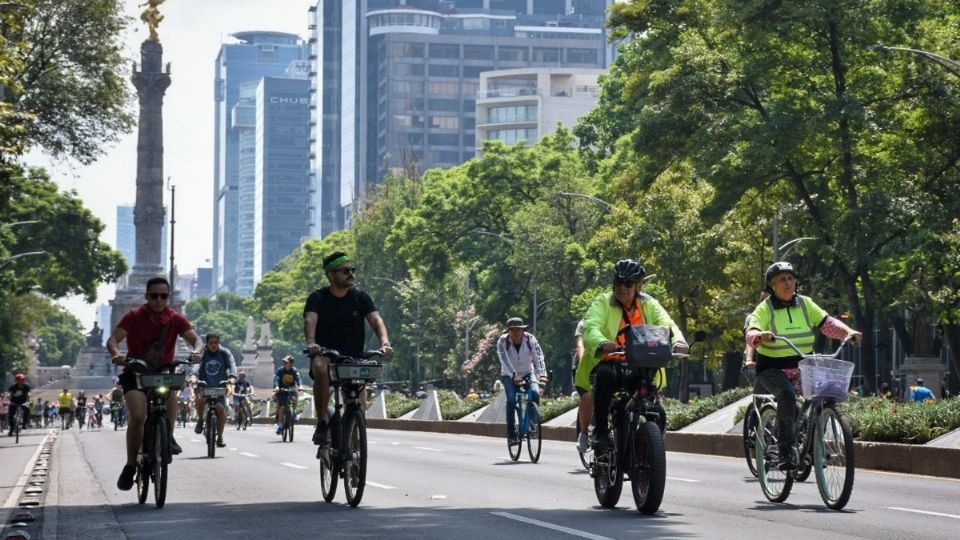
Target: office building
point(254, 56)
point(395, 82)
point(528, 104)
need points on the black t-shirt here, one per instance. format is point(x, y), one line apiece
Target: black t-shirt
point(340, 321)
point(19, 393)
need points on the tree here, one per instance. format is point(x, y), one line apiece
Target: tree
point(766, 94)
point(65, 78)
point(61, 335)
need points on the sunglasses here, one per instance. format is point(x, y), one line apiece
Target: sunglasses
point(347, 270)
point(158, 295)
point(620, 283)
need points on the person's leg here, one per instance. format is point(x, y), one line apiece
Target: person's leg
point(602, 396)
point(777, 383)
point(510, 391)
point(200, 403)
point(585, 409)
point(320, 373)
point(221, 419)
point(137, 414)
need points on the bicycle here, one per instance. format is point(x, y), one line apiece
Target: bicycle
point(183, 412)
point(528, 424)
point(116, 415)
point(242, 417)
point(81, 415)
point(637, 422)
point(155, 454)
point(289, 411)
point(824, 437)
point(211, 422)
point(17, 422)
point(346, 455)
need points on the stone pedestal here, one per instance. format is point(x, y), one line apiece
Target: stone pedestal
point(92, 361)
point(928, 368)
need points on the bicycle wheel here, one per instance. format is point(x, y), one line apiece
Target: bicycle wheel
point(650, 474)
point(749, 438)
point(517, 446)
point(161, 455)
point(143, 481)
point(776, 484)
point(355, 462)
point(210, 431)
point(292, 425)
point(328, 473)
point(534, 439)
point(833, 457)
point(17, 421)
point(607, 477)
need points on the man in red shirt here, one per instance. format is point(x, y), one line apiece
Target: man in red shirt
point(151, 331)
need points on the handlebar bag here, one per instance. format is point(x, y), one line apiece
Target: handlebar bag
point(647, 346)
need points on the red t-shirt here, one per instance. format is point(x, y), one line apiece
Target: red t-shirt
point(145, 329)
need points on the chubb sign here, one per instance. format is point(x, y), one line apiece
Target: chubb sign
point(289, 100)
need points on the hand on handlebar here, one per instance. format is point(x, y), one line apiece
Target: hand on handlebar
point(313, 349)
point(386, 350)
point(119, 359)
point(195, 357)
point(681, 348)
point(855, 337)
point(608, 347)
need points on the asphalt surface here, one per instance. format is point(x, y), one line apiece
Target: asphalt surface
point(425, 485)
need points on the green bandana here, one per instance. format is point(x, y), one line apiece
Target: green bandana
point(335, 263)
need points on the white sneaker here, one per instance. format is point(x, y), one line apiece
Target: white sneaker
point(583, 443)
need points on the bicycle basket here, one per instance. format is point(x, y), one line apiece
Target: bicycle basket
point(365, 372)
point(173, 381)
point(648, 346)
point(215, 391)
point(825, 377)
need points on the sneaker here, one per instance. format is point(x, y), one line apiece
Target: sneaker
point(513, 440)
point(786, 462)
point(320, 433)
point(220, 443)
point(601, 442)
point(174, 447)
point(583, 443)
point(125, 482)
point(199, 429)
point(279, 429)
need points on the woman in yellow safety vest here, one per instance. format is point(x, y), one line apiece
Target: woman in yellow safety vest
point(787, 314)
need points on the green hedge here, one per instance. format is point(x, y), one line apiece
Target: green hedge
point(552, 408)
point(453, 407)
point(680, 415)
point(879, 420)
point(399, 405)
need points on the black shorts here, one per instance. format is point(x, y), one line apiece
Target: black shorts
point(283, 398)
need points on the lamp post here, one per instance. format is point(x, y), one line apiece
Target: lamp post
point(10, 259)
point(790, 245)
point(600, 202)
point(466, 336)
point(950, 65)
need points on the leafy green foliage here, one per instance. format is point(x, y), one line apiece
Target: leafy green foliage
point(61, 336)
point(551, 408)
point(879, 420)
point(399, 405)
point(454, 407)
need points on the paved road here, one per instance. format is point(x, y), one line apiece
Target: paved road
point(424, 485)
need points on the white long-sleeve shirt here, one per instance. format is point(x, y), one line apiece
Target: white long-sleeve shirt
point(529, 356)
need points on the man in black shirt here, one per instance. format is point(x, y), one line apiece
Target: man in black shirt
point(333, 318)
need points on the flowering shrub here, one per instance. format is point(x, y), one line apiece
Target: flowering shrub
point(879, 420)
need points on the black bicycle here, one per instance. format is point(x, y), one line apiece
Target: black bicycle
point(346, 454)
point(17, 426)
point(155, 453)
point(183, 412)
point(242, 417)
point(823, 434)
point(211, 422)
point(289, 411)
point(637, 422)
point(116, 414)
point(526, 417)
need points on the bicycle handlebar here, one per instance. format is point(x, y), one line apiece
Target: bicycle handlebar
point(799, 352)
point(337, 357)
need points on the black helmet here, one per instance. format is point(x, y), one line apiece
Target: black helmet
point(628, 270)
point(778, 267)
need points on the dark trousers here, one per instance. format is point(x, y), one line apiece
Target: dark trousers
point(603, 389)
point(776, 382)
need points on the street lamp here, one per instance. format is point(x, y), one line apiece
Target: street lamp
point(9, 260)
point(601, 202)
point(16, 223)
point(466, 335)
point(792, 244)
point(950, 65)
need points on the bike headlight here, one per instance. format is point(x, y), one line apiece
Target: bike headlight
point(162, 390)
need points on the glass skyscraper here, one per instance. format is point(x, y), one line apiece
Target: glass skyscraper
point(257, 55)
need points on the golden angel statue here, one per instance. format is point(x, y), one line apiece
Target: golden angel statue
point(152, 17)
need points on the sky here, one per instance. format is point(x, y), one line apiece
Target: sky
point(191, 35)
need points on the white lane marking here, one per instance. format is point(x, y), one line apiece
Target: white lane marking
point(194, 440)
point(428, 449)
point(690, 480)
point(22, 481)
point(293, 465)
point(438, 497)
point(248, 454)
point(233, 449)
point(551, 526)
point(381, 486)
point(925, 512)
point(394, 443)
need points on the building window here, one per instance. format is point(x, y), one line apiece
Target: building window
point(444, 50)
point(519, 113)
point(478, 52)
point(440, 104)
point(444, 71)
point(407, 50)
point(582, 56)
point(473, 72)
point(512, 136)
point(403, 69)
point(407, 87)
point(445, 122)
point(546, 55)
point(440, 139)
point(444, 89)
point(513, 54)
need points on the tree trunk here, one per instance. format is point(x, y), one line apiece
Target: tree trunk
point(951, 332)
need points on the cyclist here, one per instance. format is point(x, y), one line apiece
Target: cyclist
point(215, 367)
point(187, 399)
point(333, 318)
point(585, 407)
point(286, 377)
point(151, 331)
point(788, 314)
point(19, 399)
point(242, 394)
point(608, 313)
point(81, 414)
point(98, 409)
point(116, 401)
point(66, 406)
point(520, 358)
